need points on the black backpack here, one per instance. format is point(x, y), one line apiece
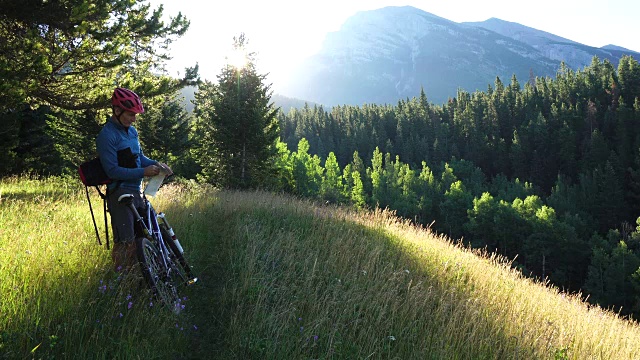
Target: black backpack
point(92, 174)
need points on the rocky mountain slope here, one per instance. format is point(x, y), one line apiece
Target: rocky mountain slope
point(384, 55)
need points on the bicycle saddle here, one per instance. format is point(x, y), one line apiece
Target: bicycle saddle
point(125, 199)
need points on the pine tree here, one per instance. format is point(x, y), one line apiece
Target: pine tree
point(284, 168)
point(65, 57)
point(74, 134)
point(358, 195)
point(408, 206)
point(38, 153)
point(237, 125)
point(613, 275)
point(347, 178)
point(428, 194)
point(332, 183)
point(629, 75)
point(69, 54)
point(164, 135)
point(307, 171)
point(378, 181)
point(482, 222)
point(454, 207)
point(9, 132)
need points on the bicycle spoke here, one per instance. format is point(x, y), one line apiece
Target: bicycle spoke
point(159, 280)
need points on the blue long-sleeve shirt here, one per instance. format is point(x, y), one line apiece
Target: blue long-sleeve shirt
point(114, 137)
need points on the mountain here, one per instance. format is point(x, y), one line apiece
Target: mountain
point(287, 103)
point(574, 54)
point(187, 96)
point(384, 55)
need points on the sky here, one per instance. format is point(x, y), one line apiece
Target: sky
point(284, 32)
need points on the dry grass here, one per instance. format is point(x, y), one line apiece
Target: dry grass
point(370, 284)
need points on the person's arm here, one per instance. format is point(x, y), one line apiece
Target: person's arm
point(145, 161)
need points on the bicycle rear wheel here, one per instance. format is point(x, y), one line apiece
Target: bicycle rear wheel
point(156, 275)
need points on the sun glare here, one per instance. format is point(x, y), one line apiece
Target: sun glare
point(237, 58)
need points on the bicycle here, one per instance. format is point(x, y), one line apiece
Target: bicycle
point(159, 253)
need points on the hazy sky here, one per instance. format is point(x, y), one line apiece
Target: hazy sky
point(283, 32)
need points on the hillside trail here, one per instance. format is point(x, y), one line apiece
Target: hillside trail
point(205, 305)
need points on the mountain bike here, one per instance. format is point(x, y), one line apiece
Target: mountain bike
point(160, 255)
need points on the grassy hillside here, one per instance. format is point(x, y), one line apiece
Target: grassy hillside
point(280, 279)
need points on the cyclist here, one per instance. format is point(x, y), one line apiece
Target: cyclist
point(124, 162)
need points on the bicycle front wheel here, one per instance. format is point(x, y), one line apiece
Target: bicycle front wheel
point(182, 267)
point(156, 274)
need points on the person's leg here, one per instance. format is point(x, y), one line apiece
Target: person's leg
point(122, 223)
point(123, 255)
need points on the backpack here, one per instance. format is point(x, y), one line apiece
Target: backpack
point(92, 174)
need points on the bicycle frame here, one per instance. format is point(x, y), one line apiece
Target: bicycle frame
point(153, 233)
point(150, 229)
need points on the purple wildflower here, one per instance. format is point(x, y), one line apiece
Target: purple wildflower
point(130, 305)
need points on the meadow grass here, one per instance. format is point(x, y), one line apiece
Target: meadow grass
point(280, 278)
point(59, 296)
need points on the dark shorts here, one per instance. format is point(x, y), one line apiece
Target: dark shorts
point(122, 220)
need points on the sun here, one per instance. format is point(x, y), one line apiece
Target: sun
point(237, 58)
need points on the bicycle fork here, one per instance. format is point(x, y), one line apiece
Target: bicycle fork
point(165, 224)
point(169, 229)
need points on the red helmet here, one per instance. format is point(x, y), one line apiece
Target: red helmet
point(127, 100)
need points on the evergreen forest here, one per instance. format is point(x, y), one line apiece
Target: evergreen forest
point(546, 172)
